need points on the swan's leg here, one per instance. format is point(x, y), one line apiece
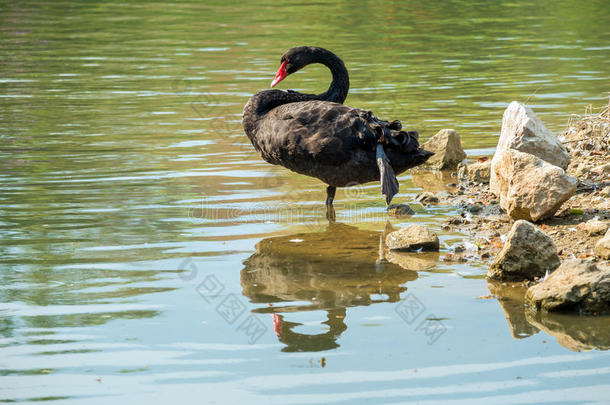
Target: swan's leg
point(330, 210)
point(389, 184)
point(330, 214)
point(381, 255)
point(330, 195)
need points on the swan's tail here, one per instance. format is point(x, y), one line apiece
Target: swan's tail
point(386, 134)
point(391, 133)
point(389, 183)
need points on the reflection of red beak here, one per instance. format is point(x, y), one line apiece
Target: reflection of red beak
point(277, 324)
point(280, 75)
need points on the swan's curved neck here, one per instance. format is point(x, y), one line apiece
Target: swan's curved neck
point(337, 92)
point(260, 104)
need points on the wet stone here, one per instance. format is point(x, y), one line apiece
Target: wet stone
point(473, 208)
point(400, 210)
point(413, 237)
point(447, 148)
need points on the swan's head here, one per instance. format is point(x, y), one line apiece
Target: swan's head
point(297, 58)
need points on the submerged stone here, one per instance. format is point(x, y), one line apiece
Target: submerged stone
point(400, 210)
point(427, 198)
point(447, 149)
point(413, 237)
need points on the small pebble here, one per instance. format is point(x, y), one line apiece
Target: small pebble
point(474, 208)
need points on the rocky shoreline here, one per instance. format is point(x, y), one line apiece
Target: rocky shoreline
point(541, 203)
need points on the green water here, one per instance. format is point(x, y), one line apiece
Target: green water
point(138, 262)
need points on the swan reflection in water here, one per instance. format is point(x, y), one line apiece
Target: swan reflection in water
point(323, 271)
point(345, 267)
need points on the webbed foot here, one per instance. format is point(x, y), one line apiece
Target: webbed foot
point(389, 183)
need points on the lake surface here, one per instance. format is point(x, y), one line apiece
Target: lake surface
point(148, 255)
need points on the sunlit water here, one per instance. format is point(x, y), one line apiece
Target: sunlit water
point(139, 262)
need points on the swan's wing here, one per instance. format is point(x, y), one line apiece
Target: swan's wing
point(323, 131)
point(328, 132)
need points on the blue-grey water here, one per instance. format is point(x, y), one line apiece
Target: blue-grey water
point(148, 255)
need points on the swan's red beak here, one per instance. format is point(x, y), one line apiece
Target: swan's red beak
point(280, 75)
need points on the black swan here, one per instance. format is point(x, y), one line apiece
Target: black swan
point(318, 136)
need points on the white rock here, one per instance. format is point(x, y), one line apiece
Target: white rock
point(447, 149)
point(530, 188)
point(522, 130)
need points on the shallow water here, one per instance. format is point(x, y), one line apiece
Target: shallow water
point(148, 254)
